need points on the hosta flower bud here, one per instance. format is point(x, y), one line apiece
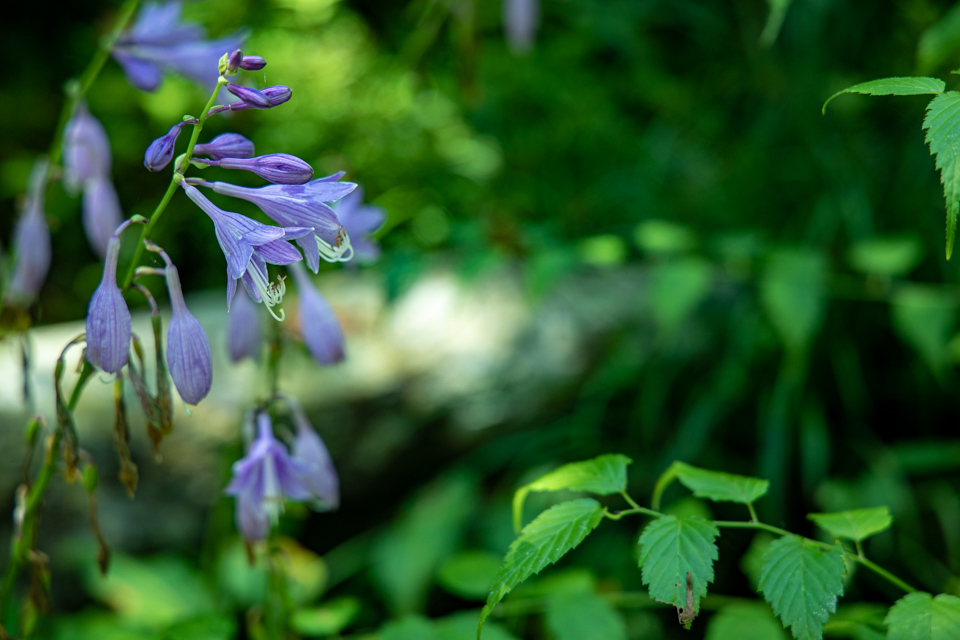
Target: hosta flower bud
point(278, 168)
point(31, 241)
point(108, 319)
point(252, 63)
point(321, 478)
point(101, 213)
point(188, 349)
point(319, 325)
point(160, 152)
point(243, 330)
point(226, 145)
point(233, 61)
point(250, 97)
point(86, 150)
point(277, 94)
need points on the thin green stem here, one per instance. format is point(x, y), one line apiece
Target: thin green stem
point(883, 573)
point(859, 549)
point(737, 524)
point(630, 501)
point(629, 512)
point(181, 168)
point(753, 513)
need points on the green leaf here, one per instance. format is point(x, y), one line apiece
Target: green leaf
point(940, 41)
point(943, 135)
point(677, 288)
point(891, 256)
point(326, 620)
point(778, 13)
point(662, 237)
point(924, 316)
point(463, 626)
point(791, 291)
point(920, 616)
point(745, 622)
point(603, 476)
point(584, 616)
point(802, 582)
point(210, 627)
point(411, 627)
point(670, 547)
point(721, 487)
point(909, 86)
point(858, 524)
point(542, 542)
point(469, 574)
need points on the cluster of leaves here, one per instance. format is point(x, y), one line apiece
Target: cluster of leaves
point(800, 578)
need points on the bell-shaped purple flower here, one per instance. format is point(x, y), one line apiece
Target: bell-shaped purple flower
point(248, 246)
point(159, 42)
point(160, 152)
point(304, 205)
point(108, 319)
point(360, 221)
point(262, 481)
point(188, 349)
point(31, 241)
point(520, 21)
point(86, 150)
point(249, 96)
point(101, 212)
point(319, 325)
point(321, 478)
point(278, 168)
point(226, 145)
point(244, 335)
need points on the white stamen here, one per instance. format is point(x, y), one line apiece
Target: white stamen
point(271, 293)
point(339, 251)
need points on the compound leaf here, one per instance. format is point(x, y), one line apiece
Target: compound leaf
point(858, 524)
point(672, 546)
point(802, 582)
point(542, 542)
point(943, 135)
point(909, 86)
point(602, 475)
point(920, 616)
point(721, 487)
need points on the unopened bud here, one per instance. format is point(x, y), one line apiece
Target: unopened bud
point(226, 145)
point(160, 152)
point(250, 97)
point(234, 62)
point(252, 63)
point(278, 168)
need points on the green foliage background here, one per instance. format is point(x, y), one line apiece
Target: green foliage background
point(770, 283)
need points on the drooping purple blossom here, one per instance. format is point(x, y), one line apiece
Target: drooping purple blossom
point(86, 150)
point(360, 221)
point(108, 318)
point(304, 205)
point(262, 481)
point(226, 145)
point(248, 246)
point(31, 241)
point(520, 21)
point(308, 448)
point(100, 212)
point(244, 335)
point(188, 349)
point(160, 152)
point(319, 325)
point(159, 42)
point(249, 96)
point(278, 168)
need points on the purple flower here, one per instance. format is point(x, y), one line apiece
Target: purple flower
point(233, 62)
point(31, 241)
point(243, 330)
point(101, 212)
point(108, 319)
point(251, 97)
point(278, 168)
point(159, 42)
point(188, 350)
point(319, 325)
point(160, 152)
point(226, 145)
point(252, 63)
point(86, 150)
point(308, 448)
point(277, 95)
point(248, 246)
point(263, 479)
point(303, 206)
point(520, 21)
point(360, 221)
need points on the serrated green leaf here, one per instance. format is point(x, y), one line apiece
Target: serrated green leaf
point(721, 487)
point(942, 124)
point(542, 542)
point(745, 622)
point(583, 616)
point(920, 616)
point(909, 86)
point(670, 547)
point(858, 524)
point(802, 582)
point(602, 475)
